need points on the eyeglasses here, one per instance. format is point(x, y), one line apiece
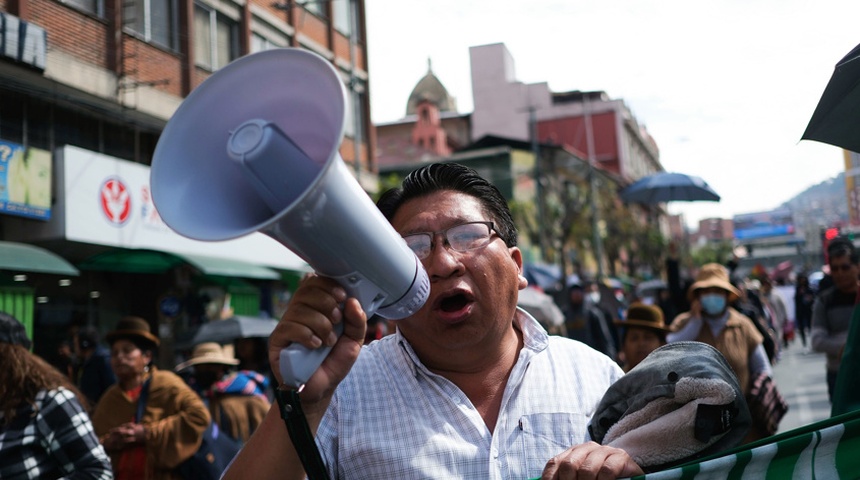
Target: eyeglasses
point(461, 238)
point(843, 268)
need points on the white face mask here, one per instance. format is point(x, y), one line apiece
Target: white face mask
point(713, 303)
point(593, 297)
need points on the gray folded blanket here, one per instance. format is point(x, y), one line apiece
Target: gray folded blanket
point(681, 403)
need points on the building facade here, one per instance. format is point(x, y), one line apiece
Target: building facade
point(594, 126)
point(86, 87)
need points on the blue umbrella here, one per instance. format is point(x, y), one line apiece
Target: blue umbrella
point(669, 187)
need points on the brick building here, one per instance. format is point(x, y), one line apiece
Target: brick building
point(86, 87)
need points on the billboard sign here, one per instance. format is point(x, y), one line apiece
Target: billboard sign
point(774, 223)
point(25, 181)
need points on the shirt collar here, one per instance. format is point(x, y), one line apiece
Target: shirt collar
point(535, 340)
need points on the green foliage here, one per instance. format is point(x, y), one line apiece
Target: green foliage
point(712, 253)
point(392, 180)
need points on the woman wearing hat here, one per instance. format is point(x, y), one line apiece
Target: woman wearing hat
point(236, 400)
point(644, 331)
point(150, 421)
point(711, 320)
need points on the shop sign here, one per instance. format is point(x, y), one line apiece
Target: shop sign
point(22, 41)
point(25, 181)
point(107, 201)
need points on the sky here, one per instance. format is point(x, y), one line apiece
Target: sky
point(726, 88)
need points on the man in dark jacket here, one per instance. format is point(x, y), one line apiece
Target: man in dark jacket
point(94, 374)
point(832, 309)
point(586, 323)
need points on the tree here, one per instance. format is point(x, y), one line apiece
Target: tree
point(714, 252)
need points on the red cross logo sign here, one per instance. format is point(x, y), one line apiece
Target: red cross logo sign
point(115, 201)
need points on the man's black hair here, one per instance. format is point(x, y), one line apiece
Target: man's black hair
point(452, 176)
point(841, 246)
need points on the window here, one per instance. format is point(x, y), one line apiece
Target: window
point(11, 116)
point(341, 11)
point(215, 38)
point(38, 115)
point(34, 122)
point(316, 7)
point(74, 127)
point(260, 43)
point(355, 119)
point(96, 7)
point(154, 20)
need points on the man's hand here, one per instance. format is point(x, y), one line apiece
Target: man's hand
point(314, 308)
point(696, 308)
point(591, 461)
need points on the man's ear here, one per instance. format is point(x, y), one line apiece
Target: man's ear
point(517, 257)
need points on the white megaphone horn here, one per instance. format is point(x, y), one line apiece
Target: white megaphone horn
point(255, 148)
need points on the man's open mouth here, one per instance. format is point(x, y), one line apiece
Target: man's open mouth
point(454, 301)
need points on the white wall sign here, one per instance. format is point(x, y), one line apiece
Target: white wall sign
point(107, 201)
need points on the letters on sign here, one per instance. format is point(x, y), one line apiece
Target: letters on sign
point(22, 41)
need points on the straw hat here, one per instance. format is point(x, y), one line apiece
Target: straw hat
point(135, 327)
point(713, 275)
point(208, 352)
point(644, 316)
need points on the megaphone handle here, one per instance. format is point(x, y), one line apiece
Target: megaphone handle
point(298, 362)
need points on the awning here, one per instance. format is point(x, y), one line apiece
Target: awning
point(154, 261)
point(230, 268)
point(132, 261)
point(28, 258)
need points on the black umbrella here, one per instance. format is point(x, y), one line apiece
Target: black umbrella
point(237, 326)
point(669, 187)
point(836, 119)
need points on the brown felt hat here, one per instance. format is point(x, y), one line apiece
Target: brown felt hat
point(644, 316)
point(713, 275)
point(208, 353)
point(135, 327)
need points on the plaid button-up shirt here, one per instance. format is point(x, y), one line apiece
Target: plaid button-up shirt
point(55, 439)
point(393, 418)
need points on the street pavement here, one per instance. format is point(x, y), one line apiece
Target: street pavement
point(800, 377)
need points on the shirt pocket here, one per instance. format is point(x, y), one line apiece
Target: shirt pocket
point(545, 435)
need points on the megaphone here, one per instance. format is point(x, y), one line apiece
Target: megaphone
point(255, 148)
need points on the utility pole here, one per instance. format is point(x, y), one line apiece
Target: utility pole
point(355, 98)
point(592, 184)
point(537, 175)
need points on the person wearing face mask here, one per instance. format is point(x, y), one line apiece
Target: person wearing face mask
point(712, 320)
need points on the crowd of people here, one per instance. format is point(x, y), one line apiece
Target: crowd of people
point(110, 412)
point(488, 392)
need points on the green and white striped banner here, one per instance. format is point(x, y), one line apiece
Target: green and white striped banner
point(829, 449)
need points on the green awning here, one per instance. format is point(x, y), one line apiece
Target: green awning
point(132, 261)
point(230, 268)
point(20, 257)
point(155, 261)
